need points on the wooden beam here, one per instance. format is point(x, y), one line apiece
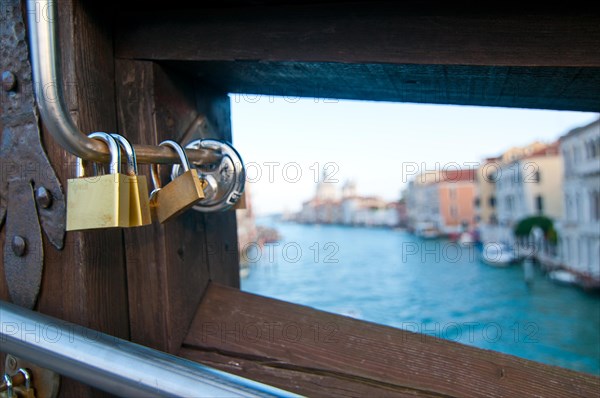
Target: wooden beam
point(359, 32)
point(377, 51)
point(315, 353)
point(521, 87)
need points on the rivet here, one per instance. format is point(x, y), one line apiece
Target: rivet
point(19, 245)
point(43, 197)
point(9, 80)
point(11, 363)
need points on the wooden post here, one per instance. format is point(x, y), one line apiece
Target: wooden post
point(169, 266)
point(85, 282)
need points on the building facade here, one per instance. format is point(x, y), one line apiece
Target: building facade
point(485, 191)
point(346, 207)
point(441, 201)
point(528, 187)
point(579, 233)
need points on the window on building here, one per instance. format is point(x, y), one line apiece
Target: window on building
point(509, 203)
point(578, 208)
point(452, 193)
point(539, 204)
point(595, 205)
point(568, 207)
point(493, 219)
point(477, 202)
point(453, 212)
point(567, 161)
point(492, 201)
point(594, 147)
point(586, 147)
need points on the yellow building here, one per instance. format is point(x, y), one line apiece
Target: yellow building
point(485, 187)
point(530, 186)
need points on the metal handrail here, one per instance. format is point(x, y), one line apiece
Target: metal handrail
point(114, 365)
point(47, 74)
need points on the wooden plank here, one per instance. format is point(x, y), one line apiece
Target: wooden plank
point(544, 59)
point(316, 353)
point(85, 282)
point(522, 87)
point(360, 32)
point(221, 228)
point(169, 266)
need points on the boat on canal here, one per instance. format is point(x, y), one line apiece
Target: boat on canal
point(498, 255)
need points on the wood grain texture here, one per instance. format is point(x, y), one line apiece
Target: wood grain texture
point(315, 353)
point(169, 265)
point(359, 32)
point(221, 227)
point(85, 283)
point(377, 51)
point(522, 87)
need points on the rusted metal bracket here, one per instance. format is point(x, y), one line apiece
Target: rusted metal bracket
point(30, 192)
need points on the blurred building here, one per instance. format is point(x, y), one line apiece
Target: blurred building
point(441, 202)
point(579, 232)
point(519, 183)
point(346, 207)
point(529, 186)
point(485, 191)
point(422, 204)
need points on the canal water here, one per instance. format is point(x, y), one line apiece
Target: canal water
point(434, 287)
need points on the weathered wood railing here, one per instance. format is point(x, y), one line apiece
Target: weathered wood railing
point(316, 353)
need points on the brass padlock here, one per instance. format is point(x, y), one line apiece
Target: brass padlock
point(139, 203)
point(178, 195)
point(99, 201)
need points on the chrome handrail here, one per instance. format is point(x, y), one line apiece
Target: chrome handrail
point(115, 365)
point(47, 75)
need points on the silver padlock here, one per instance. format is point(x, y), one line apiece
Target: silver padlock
point(224, 181)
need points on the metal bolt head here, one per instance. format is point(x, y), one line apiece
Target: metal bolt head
point(19, 245)
point(43, 197)
point(11, 363)
point(9, 81)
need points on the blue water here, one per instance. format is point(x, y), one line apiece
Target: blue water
point(432, 287)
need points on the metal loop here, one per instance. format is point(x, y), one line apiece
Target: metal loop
point(185, 163)
point(132, 168)
point(9, 385)
point(224, 181)
point(27, 376)
point(115, 151)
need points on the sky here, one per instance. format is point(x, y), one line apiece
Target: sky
point(287, 143)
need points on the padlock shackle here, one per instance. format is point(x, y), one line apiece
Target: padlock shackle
point(114, 166)
point(27, 377)
point(183, 160)
point(132, 168)
point(8, 384)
